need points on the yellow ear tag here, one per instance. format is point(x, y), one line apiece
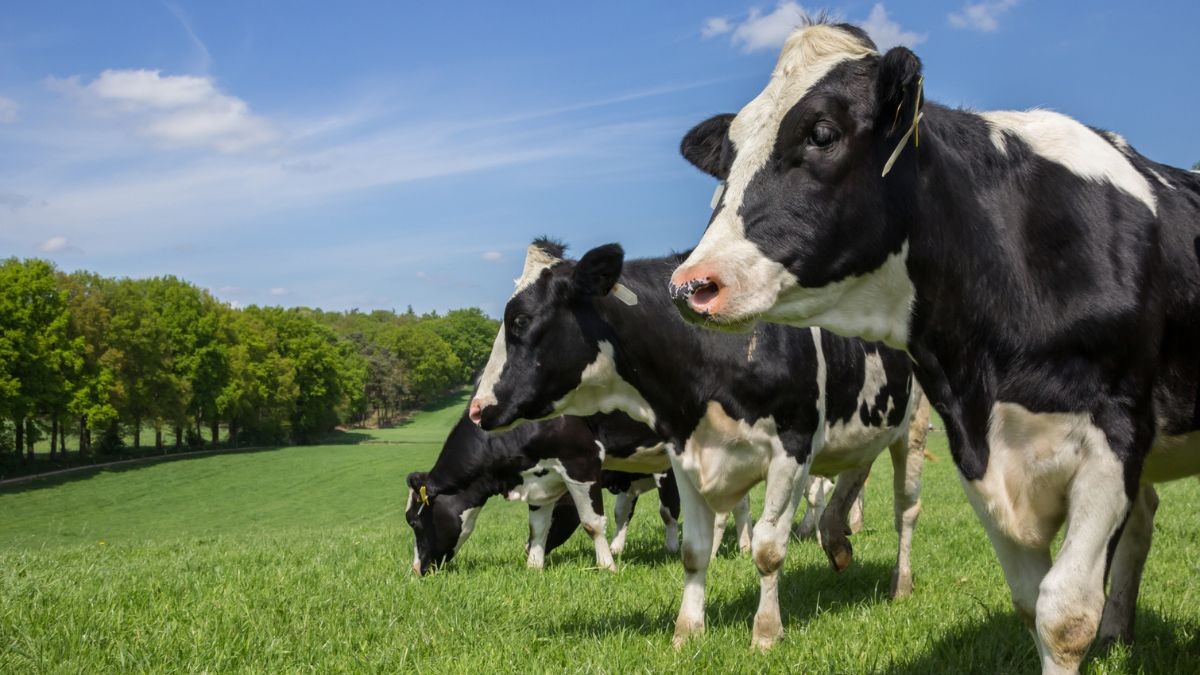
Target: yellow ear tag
point(423, 495)
point(912, 131)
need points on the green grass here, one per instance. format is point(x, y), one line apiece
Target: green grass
point(297, 560)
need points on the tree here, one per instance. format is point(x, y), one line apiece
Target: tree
point(40, 358)
point(430, 366)
point(470, 333)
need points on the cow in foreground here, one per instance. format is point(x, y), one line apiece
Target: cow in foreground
point(736, 408)
point(1043, 275)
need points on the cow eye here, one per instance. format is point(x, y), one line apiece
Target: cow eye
point(823, 135)
point(520, 323)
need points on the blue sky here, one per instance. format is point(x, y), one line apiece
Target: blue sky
point(381, 154)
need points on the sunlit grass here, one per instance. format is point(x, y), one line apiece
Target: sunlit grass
point(297, 560)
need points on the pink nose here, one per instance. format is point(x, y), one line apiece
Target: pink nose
point(701, 289)
point(475, 412)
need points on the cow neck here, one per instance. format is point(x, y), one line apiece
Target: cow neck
point(475, 463)
point(654, 348)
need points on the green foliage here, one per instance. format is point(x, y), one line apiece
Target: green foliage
point(112, 357)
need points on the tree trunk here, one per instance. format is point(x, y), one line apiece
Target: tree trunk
point(215, 425)
point(19, 424)
point(83, 435)
point(233, 431)
point(178, 436)
point(158, 444)
point(29, 439)
point(53, 436)
point(137, 434)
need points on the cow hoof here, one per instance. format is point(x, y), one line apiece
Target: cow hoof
point(766, 634)
point(685, 629)
point(617, 549)
point(840, 554)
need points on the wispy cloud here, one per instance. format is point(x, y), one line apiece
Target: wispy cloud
point(887, 33)
point(981, 16)
point(492, 256)
point(174, 110)
point(279, 292)
point(758, 31)
point(205, 57)
point(57, 244)
point(8, 110)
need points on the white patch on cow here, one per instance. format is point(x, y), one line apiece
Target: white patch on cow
point(1158, 177)
point(602, 389)
point(536, 260)
point(1117, 140)
point(753, 281)
point(644, 459)
point(1172, 457)
point(850, 444)
point(725, 457)
point(416, 563)
point(540, 490)
point(468, 525)
point(874, 306)
point(1032, 458)
point(1068, 143)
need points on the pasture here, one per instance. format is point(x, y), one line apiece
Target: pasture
point(297, 559)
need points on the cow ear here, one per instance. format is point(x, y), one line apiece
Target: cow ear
point(598, 270)
point(898, 90)
point(419, 479)
point(702, 145)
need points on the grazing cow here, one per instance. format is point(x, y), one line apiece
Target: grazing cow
point(537, 465)
point(736, 408)
point(1043, 275)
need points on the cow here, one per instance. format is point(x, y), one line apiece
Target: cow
point(538, 465)
point(736, 409)
point(1043, 275)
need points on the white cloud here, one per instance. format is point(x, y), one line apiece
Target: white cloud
point(234, 304)
point(981, 16)
point(54, 245)
point(8, 110)
point(717, 25)
point(770, 31)
point(887, 33)
point(231, 290)
point(493, 256)
point(279, 291)
point(767, 31)
point(175, 110)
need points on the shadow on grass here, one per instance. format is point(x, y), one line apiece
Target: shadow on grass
point(87, 472)
point(999, 643)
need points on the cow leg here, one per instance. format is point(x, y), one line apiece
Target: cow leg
point(1071, 595)
point(855, 520)
point(563, 522)
point(668, 510)
point(719, 522)
point(1126, 573)
point(540, 516)
point(908, 459)
point(697, 548)
point(744, 523)
point(622, 513)
point(816, 493)
point(833, 526)
point(785, 478)
point(590, 503)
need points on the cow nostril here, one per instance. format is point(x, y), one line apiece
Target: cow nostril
point(705, 293)
point(475, 412)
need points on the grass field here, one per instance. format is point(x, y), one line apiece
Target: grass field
point(298, 560)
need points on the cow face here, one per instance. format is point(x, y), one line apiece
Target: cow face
point(553, 355)
point(440, 523)
point(807, 230)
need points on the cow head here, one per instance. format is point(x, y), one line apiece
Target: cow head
point(440, 522)
point(807, 230)
point(554, 353)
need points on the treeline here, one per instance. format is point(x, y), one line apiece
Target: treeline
point(105, 363)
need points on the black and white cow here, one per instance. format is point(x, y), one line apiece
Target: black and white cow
point(737, 408)
point(1044, 276)
point(539, 465)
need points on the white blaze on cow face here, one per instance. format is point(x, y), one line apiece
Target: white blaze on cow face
point(536, 260)
point(875, 305)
